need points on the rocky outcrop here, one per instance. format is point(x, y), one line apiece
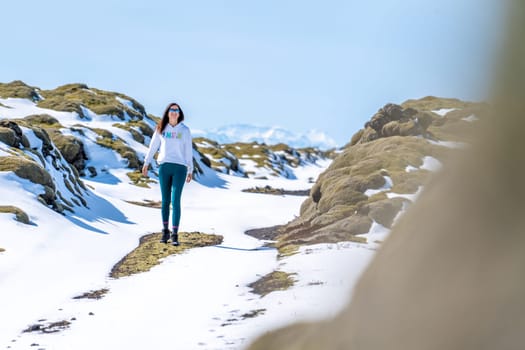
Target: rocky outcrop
point(74, 97)
point(41, 163)
point(12, 135)
point(19, 89)
point(255, 159)
point(382, 161)
point(393, 120)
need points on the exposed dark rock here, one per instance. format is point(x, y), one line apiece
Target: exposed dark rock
point(276, 191)
point(16, 137)
point(94, 294)
point(266, 233)
point(72, 150)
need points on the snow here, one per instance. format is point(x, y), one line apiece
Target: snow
point(410, 168)
point(471, 118)
point(34, 141)
point(411, 196)
point(3, 153)
point(443, 111)
point(198, 297)
point(449, 144)
point(20, 107)
point(125, 102)
point(431, 164)
point(387, 186)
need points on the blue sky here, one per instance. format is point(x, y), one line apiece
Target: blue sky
point(325, 65)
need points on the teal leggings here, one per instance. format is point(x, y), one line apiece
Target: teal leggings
point(171, 178)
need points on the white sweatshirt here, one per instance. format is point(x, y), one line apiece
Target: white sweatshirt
point(175, 146)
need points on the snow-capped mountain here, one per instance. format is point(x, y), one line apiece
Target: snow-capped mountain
point(269, 135)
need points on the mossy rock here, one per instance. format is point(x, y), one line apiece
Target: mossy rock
point(356, 138)
point(30, 170)
point(150, 252)
point(72, 149)
point(395, 128)
point(431, 103)
point(20, 215)
point(345, 230)
point(340, 196)
point(144, 128)
point(72, 97)
point(412, 118)
point(338, 210)
point(217, 154)
point(327, 236)
point(341, 230)
point(335, 213)
point(43, 121)
point(16, 138)
point(384, 211)
point(454, 128)
point(274, 281)
point(59, 104)
point(408, 183)
point(132, 125)
point(18, 89)
point(27, 169)
point(8, 137)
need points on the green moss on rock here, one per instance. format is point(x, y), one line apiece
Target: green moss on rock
point(18, 89)
point(27, 169)
point(20, 215)
point(71, 98)
point(430, 103)
point(43, 120)
point(7, 136)
point(337, 208)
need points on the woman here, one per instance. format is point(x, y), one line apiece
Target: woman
point(176, 165)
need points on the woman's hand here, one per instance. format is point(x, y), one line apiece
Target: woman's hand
point(188, 178)
point(145, 170)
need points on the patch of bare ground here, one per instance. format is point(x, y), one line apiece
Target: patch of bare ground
point(150, 251)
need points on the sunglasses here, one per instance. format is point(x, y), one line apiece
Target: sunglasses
point(174, 110)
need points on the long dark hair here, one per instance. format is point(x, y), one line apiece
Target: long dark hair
point(165, 117)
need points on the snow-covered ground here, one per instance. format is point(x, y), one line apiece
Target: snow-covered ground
point(196, 300)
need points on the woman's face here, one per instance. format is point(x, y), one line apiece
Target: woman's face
point(173, 114)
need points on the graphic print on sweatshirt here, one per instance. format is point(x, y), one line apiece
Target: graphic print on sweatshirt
point(172, 135)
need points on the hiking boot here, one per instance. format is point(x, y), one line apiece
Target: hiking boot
point(165, 236)
point(175, 239)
